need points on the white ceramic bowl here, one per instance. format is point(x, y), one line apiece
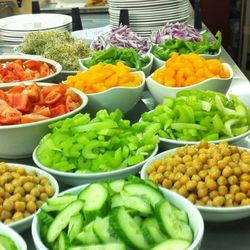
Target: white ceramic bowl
point(123, 98)
point(146, 69)
point(25, 223)
point(158, 63)
point(221, 85)
point(74, 179)
point(195, 219)
point(19, 141)
point(57, 68)
point(210, 214)
point(14, 236)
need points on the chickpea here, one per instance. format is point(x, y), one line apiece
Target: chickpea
point(8, 205)
point(21, 171)
point(8, 221)
point(192, 198)
point(245, 177)
point(172, 177)
point(237, 171)
point(150, 169)
point(234, 189)
point(16, 197)
point(177, 184)
point(232, 180)
point(28, 186)
point(218, 201)
point(44, 196)
point(184, 179)
point(240, 196)
point(5, 215)
point(187, 158)
point(245, 168)
point(23, 179)
point(229, 203)
point(196, 178)
point(191, 185)
point(222, 181)
point(214, 173)
point(202, 192)
point(205, 199)
point(221, 164)
point(183, 191)
point(29, 197)
point(222, 190)
point(17, 216)
point(35, 192)
point(203, 174)
point(3, 180)
point(202, 158)
point(166, 183)
point(191, 171)
point(227, 171)
point(197, 164)
point(244, 186)
point(178, 176)
point(1, 191)
point(213, 194)
point(161, 169)
point(20, 206)
point(245, 202)
point(31, 206)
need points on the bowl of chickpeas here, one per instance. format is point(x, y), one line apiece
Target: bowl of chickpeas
point(23, 190)
point(214, 177)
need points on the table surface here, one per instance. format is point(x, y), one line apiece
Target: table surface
point(217, 236)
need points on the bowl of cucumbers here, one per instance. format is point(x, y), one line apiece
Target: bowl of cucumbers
point(118, 215)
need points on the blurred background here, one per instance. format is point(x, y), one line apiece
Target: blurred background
point(231, 17)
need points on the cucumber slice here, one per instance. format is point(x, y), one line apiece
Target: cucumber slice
point(180, 214)
point(104, 231)
point(117, 185)
point(110, 246)
point(172, 244)
point(152, 231)
point(170, 224)
point(96, 197)
point(62, 219)
point(132, 202)
point(63, 241)
point(127, 229)
point(145, 191)
point(75, 226)
point(7, 243)
point(87, 235)
point(57, 204)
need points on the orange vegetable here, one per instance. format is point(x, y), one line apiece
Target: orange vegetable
point(190, 69)
point(101, 77)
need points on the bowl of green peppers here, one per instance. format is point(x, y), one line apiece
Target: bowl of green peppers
point(129, 57)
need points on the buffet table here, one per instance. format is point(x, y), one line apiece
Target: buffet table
point(230, 236)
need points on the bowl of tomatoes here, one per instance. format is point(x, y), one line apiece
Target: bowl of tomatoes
point(26, 110)
point(20, 69)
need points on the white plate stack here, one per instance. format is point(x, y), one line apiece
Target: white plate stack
point(14, 28)
point(148, 15)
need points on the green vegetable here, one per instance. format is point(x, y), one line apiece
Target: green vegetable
point(113, 55)
point(164, 51)
point(195, 115)
point(7, 243)
point(104, 143)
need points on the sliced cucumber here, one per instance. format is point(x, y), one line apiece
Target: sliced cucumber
point(138, 220)
point(180, 214)
point(117, 185)
point(127, 229)
point(7, 243)
point(87, 235)
point(172, 244)
point(96, 197)
point(62, 219)
point(170, 224)
point(132, 202)
point(57, 204)
point(75, 226)
point(145, 191)
point(63, 241)
point(104, 231)
point(110, 246)
point(152, 231)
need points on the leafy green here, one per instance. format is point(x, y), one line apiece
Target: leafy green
point(195, 115)
point(164, 51)
point(113, 55)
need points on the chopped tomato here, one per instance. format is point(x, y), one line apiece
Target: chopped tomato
point(52, 97)
point(3, 96)
point(31, 64)
point(33, 92)
point(17, 89)
point(45, 111)
point(9, 115)
point(19, 101)
point(44, 70)
point(33, 118)
point(74, 96)
point(70, 104)
point(58, 110)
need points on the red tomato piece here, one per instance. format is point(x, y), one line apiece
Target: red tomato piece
point(9, 115)
point(31, 64)
point(33, 92)
point(44, 70)
point(45, 111)
point(33, 118)
point(52, 97)
point(20, 101)
point(58, 110)
point(17, 89)
point(10, 77)
point(70, 104)
point(74, 96)
point(3, 96)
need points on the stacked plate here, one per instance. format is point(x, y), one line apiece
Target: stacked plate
point(145, 16)
point(14, 28)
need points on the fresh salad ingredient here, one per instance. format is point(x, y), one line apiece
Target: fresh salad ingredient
point(215, 175)
point(105, 143)
point(173, 31)
point(164, 50)
point(56, 45)
point(23, 70)
point(22, 193)
point(32, 103)
point(113, 55)
point(6, 243)
point(101, 77)
point(104, 224)
point(190, 69)
point(195, 115)
point(121, 37)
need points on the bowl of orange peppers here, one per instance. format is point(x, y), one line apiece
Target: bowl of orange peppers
point(189, 71)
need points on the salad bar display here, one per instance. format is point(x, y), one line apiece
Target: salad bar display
point(91, 129)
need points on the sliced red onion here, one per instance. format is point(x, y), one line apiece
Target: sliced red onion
point(175, 31)
point(121, 37)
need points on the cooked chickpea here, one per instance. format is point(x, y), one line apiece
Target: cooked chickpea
point(191, 185)
point(18, 216)
point(222, 190)
point(192, 198)
point(202, 192)
point(222, 181)
point(245, 202)
point(245, 177)
point(166, 183)
point(211, 184)
point(184, 179)
point(183, 191)
point(196, 178)
point(31, 206)
point(218, 201)
point(8, 204)
point(227, 171)
point(244, 186)
point(20, 206)
point(237, 171)
point(234, 189)
point(44, 196)
point(161, 169)
point(203, 174)
point(240, 196)
point(213, 194)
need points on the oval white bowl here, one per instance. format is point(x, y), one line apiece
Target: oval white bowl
point(74, 179)
point(21, 225)
point(12, 234)
point(195, 219)
point(57, 68)
point(146, 69)
point(20, 140)
point(158, 63)
point(221, 85)
point(209, 214)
